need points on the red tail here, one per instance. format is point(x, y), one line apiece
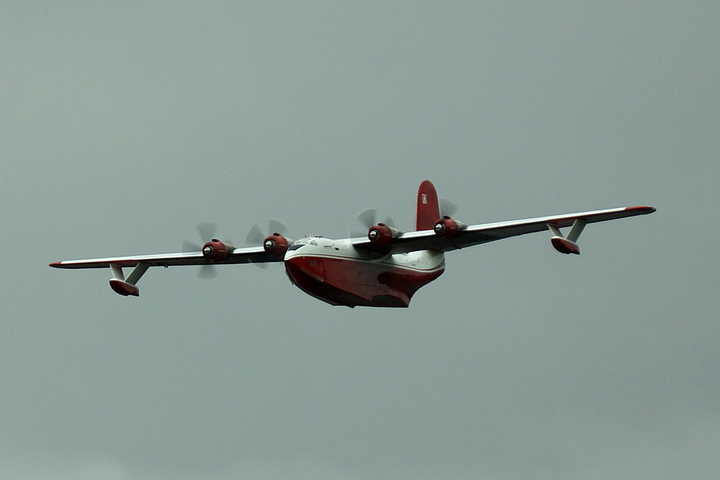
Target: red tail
point(428, 207)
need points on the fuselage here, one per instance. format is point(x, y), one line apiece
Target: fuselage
point(337, 273)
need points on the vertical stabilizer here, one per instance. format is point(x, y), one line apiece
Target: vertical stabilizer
point(428, 207)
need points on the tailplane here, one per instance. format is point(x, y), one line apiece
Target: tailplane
point(428, 206)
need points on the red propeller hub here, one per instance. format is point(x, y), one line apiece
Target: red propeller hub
point(215, 250)
point(380, 234)
point(446, 227)
point(276, 244)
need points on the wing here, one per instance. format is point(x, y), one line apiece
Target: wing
point(239, 255)
point(489, 232)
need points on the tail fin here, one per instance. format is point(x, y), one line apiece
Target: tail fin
point(428, 207)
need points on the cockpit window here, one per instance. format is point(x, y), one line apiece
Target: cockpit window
point(299, 243)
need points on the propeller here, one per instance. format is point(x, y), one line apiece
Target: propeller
point(369, 219)
point(256, 236)
point(447, 208)
point(206, 230)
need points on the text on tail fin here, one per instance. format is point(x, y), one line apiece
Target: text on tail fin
point(428, 207)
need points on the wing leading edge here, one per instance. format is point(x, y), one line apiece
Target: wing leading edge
point(407, 242)
point(489, 232)
point(239, 255)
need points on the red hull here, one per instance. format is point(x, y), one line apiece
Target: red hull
point(342, 281)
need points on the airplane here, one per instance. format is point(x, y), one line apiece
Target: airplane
point(382, 269)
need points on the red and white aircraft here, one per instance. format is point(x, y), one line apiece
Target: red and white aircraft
point(383, 269)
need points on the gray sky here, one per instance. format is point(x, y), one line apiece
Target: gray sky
point(125, 124)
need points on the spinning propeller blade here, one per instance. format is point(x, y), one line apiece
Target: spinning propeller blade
point(368, 218)
point(447, 208)
point(256, 236)
point(207, 271)
point(275, 226)
point(189, 247)
point(207, 232)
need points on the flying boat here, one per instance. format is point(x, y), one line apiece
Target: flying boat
point(381, 269)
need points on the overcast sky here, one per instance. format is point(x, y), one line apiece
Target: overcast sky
point(124, 124)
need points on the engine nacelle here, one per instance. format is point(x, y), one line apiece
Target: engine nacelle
point(276, 244)
point(216, 250)
point(447, 227)
point(382, 234)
